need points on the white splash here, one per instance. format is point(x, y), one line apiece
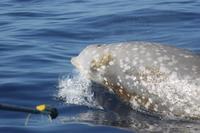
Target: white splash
point(76, 90)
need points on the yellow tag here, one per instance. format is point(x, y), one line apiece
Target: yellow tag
point(41, 107)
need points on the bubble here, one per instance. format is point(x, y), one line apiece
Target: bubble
point(76, 90)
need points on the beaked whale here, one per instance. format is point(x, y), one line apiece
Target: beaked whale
point(152, 77)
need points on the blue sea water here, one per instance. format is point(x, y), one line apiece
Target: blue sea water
point(39, 37)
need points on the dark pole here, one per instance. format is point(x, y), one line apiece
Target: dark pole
point(40, 109)
point(18, 109)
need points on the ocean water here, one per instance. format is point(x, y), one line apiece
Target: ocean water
point(39, 37)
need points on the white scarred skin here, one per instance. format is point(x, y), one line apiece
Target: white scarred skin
point(169, 77)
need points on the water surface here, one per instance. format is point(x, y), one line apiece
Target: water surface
point(38, 38)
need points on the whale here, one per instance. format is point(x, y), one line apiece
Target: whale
point(157, 78)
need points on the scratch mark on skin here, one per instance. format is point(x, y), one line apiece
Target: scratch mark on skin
point(119, 90)
point(103, 61)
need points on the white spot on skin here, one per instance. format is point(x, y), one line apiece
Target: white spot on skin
point(150, 101)
point(106, 50)
point(103, 67)
point(170, 63)
point(164, 51)
point(148, 54)
point(96, 56)
point(114, 55)
point(160, 59)
point(127, 77)
point(149, 59)
point(157, 50)
point(106, 83)
point(173, 76)
point(136, 83)
point(136, 58)
point(127, 59)
point(121, 91)
point(176, 68)
point(155, 62)
point(171, 109)
point(166, 57)
point(187, 56)
point(141, 61)
point(155, 107)
point(142, 68)
point(147, 105)
point(133, 78)
point(116, 48)
point(163, 69)
point(134, 49)
point(119, 78)
point(134, 63)
point(98, 69)
point(130, 77)
point(111, 63)
point(110, 89)
point(142, 52)
point(121, 63)
point(134, 102)
point(94, 52)
point(158, 54)
point(143, 97)
point(194, 68)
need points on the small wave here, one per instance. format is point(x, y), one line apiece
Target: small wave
point(76, 90)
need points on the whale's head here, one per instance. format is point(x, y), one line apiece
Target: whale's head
point(82, 61)
point(92, 61)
